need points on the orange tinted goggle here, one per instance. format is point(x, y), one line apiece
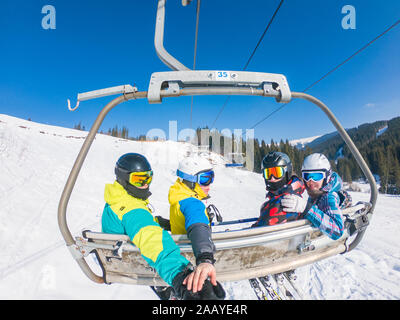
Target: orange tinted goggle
point(139, 179)
point(277, 172)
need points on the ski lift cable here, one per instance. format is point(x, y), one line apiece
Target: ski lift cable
point(195, 52)
point(331, 71)
point(262, 37)
point(251, 57)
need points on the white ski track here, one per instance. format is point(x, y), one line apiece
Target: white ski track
point(35, 161)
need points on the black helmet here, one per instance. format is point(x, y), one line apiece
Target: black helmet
point(277, 159)
point(132, 162)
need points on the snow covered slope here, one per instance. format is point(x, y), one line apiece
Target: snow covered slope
point(35, 160)
point(301, 143)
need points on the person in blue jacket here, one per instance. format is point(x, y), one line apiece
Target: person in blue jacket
point(324, 187)
point(127, 212)
point(188, 213)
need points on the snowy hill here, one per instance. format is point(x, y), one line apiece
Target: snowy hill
point(301, 143)
point(35, 161)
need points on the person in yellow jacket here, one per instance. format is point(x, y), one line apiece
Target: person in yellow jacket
point(127, 212)
point(188, 214)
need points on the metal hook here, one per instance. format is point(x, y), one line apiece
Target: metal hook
point(125, 89)
point(69, 105)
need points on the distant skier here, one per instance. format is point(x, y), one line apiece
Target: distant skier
point(188, 214)
point(326, 197)
point(127, 212)
point(280, 181)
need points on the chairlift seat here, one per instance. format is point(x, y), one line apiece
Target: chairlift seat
point(241, 254)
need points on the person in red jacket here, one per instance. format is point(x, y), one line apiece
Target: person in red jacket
point(280, 181)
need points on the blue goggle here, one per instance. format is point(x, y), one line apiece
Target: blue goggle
point(314, 175)
point(202, 178)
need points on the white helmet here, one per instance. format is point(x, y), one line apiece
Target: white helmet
point(316, 161)
point(193, 165)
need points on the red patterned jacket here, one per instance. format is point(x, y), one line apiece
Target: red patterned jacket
point(271, 212)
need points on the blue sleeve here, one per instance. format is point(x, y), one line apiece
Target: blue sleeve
point(327, 217)
point(198, 228)
point(194, 211)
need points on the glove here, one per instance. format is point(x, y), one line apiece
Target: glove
point(211, 292)
point(293, 203)
point(164, 223)
point(208, 291)
point(180, 290)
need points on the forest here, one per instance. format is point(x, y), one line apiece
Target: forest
point(378, 143)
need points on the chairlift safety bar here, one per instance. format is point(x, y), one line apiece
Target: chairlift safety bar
point(106, 92)
point(173, 81)
point(176, 83)
point(124, 89)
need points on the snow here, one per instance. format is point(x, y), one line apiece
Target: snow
point(35, 161)
point(339, 155)
point(381, 131)
point(301, 143)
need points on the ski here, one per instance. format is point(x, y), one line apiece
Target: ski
point(266, 282)
point(255, 284)
point(290, 280)
point(282, 289)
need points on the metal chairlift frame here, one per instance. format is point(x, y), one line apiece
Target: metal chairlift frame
point(255, 242)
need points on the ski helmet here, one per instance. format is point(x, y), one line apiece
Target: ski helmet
point(277, 159)
point(190, 169)
point(128, 163)
point(316, 162)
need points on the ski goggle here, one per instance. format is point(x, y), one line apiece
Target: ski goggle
point(314, 175)
point(277, 172)
point(139, 179)
point(202, 178)
point(205, 178)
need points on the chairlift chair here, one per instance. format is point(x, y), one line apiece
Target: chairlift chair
point(243, 253)
point(235, 159)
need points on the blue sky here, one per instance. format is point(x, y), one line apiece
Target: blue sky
point(99, 44)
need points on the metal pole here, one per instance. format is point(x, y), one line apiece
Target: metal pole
point(354, 151)
point(164, 56)
point(65, 196)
